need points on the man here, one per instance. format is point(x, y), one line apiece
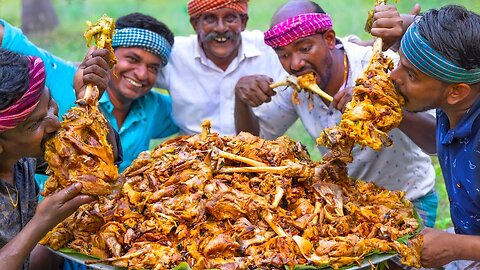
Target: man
point(440, 68)
point(204, 68)
point(302, 36)
point(28, 117)
point(142, 46)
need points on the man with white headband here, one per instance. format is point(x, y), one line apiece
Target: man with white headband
point(440, 68)
point(204, 69)
point(142, 46)
point(303, 37)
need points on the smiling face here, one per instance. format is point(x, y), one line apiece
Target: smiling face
point(309, 54)
point(134, 74)
point(420, 91)
point(219, 33)
point(27, 139)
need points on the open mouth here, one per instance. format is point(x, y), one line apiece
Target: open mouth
point(221, 39)
point(134, 83)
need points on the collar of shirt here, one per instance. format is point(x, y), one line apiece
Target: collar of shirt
point(136, 113)
point(464, 126)
point(246, 50)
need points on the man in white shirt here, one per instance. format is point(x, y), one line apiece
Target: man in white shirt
point(203, 69)
point(307, 43)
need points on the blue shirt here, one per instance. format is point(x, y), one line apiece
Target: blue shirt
point(149, 117)
point(59, 72)
point(459, 156)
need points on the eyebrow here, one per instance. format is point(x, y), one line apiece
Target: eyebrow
point(406, 64)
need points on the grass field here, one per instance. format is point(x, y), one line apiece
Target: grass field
point(348, 17)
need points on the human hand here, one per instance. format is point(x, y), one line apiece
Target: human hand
point(58, 206)
point(93, 70)
point(387, 24)
point(341, 99)
point(438, 248)
point(254, 90)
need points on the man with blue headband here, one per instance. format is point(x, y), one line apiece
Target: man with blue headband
point(142, 45)
point(440, 68)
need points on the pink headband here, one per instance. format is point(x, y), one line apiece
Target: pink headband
point(300, 26)
point(17, 112)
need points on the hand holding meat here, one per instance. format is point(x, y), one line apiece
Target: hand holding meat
point(254, 90)
point(54, 209)
point(93, 70)
point(387, 24)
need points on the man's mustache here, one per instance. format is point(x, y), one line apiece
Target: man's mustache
point(214, 35)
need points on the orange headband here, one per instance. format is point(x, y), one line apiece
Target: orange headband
point(197, 7)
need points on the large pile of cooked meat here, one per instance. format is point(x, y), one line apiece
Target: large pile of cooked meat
point(239, 203)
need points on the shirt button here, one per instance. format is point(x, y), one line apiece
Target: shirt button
point(459, 186)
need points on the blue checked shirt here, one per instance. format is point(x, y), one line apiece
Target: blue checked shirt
point(459, 157)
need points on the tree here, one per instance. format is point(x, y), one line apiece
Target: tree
point(38, 16)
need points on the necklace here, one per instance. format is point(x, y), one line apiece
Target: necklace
point(345, 65)
point(15, 204)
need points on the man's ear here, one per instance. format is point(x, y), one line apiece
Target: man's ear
point(244, 18)
point(194, 23)
point(458, 92)
point(330, 38)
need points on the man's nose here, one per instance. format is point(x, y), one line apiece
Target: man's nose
point(297, 63)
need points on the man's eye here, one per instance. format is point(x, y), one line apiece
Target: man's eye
point(131, 59)
point(305, 49)
point(34, 125)
point(209, 19)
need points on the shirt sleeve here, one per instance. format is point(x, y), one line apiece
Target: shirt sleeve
point(276, 116)
point(60, 73)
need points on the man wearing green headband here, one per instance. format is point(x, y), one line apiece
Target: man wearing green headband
point(440, 68)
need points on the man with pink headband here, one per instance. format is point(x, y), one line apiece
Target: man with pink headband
point(302, 35)
point(204, 68)
point(28, 117)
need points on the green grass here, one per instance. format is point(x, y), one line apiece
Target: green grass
point(348, 17)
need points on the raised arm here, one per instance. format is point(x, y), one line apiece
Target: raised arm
point(94, 69)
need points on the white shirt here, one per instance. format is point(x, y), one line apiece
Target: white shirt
point(404, 166)
point(200, 90)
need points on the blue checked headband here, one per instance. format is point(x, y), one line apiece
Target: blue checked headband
point(145, 39)
point(418, 52)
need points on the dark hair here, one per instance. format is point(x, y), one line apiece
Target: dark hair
point(139, 20)
point(14, 77)
point(454, 32)
point(317, 8)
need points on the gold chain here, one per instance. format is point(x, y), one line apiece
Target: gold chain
point(345, 72)
point(15, 204)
